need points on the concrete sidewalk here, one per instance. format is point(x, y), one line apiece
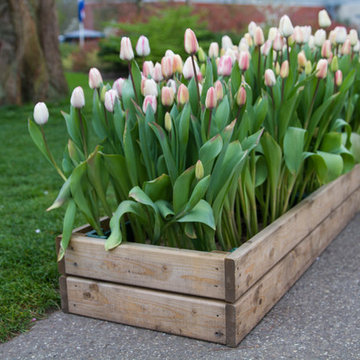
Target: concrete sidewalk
point(319, 318)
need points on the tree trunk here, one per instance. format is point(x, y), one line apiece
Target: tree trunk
point(30, 63)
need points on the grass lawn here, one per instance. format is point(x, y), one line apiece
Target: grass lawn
point(28, 185)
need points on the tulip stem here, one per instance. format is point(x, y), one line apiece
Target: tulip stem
point(312, 104)
point(132, 80)
point(50, 155)
point(83, 134)
point(195, 75)
point(258, 69)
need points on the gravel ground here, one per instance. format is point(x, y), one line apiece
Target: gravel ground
point(319, 318)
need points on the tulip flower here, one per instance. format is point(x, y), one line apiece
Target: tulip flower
point(201, 55)
point(226, 42)
point(190, 42)
point(143, 46)
point(277, 68)
point(298, 35)
point(167, 66)
point(150, 87)
point(272, 33)
point(353, 36)
point(284, 70)
point(301, 59)
point(248, 38)
point(167, 122)
point(334, 64)
point(149, 100)
point(126, 50)
point(346, 48)
point(308, 68)
point(324, 19)
point(278, 42)
point(148, 68)
point(321, 69)
point(167, 96)
point(270, 79)
point(118, 85)
point(177, 64)
point(41, 113)
point(241, 96)
point(340, 34)
point(95, 78)
point(332, 37)
point(188, 69)
point(199, 170)
point(225, 66)
point(258, 36)
point(320, 37)
point(285, 27)
point(306, 31)
point(356, 47)
point(77, 99)
point(211, 98)
point(231, 53)
point(219, 90)
point(251, 28)
point(338, 78)
point(110, 98)
point(214, 50)
point(169, 52)
point(182, 95)
point(265, 49)
point(243, 45)
point(172, 83)
point(157, 72)
point(326, 49)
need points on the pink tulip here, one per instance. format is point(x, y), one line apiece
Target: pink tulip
point(149, 100)
point(148, 68)
point(326, 49)
point(270, 79)
point(301, 59)
point(338, 78)
point(188, 70)
point(278, 42)
point(219, 90)
point(284, 70)
point(298, 35)
point(211, 99)
point(150, 87)
point(177, 64)
point(265, 48)
point(244, 60)
point(190, 42)
point(143, 46)
point(214, 50)
point(346, 48)
point(126, 51)
point(225, 65)
point(95, 79)
point(167, 66)
point(167, 96)
point(258, 36)
point(182, 95)
point(157, 73)
point(118, 85)
point(241, 96)
point(110, 98)
point(321, 69)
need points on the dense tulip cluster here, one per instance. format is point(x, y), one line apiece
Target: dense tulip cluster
point(201, 151)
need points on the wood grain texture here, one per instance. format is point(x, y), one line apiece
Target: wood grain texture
point(156, 267)
point(257, 256)
point(63, 294)
point(263, 295)
point(172, 313)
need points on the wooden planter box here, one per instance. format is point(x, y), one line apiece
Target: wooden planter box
point(214, 296)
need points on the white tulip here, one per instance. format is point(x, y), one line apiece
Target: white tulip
point(41, 113)
point(285, 27)
point(77, 99)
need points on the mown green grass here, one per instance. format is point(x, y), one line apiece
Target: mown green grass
point(28, 185)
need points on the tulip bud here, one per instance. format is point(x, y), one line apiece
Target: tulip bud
point(199, 170)
point(334, 64)
point(211, 99)
point(190, 42)
point(41, 113)
point(270, 79)
point(265, 49)
point(272, 33)
point(167, 122)
point(143, 46)
point(301, 59)
point(308, 67)
point(126, 51)
point(353, 36)
point(214, 50)
point(77, 99)
point(150, 87)
point(332, 37)
point(340, 34)
point(203, 69)
point(167, 96)
point(167, 66)
point(149, 100)
point(177, 64)
point(284, 70)
point(219, 90)
point(182, 95)
point(306, 30)
point(285, 27)
point(277, 68)
point(321, 69)
point(102, 93)
point(169, 52)
point(249, 39)
point(326, 49)
point(118, 85)
point(320, 37)
point(251, 28)
point(346, 48)
point(338, 78)
point(172, 83)
point(157, 72)
point(278, 42)
point(298, 35)
point(311, 42)
point(226, 42)
point(244, 60)
point(225, 66)
point(95, 79)
point(148, 68)
point(241, 96)
point(356, 47)
point(201, 55)
point(110, 98)
point(324, 19)
point(258, 36)
point(188, 70)
point(243, 45)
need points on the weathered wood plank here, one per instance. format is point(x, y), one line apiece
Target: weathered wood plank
point(63, 294)
point(156, 267)
point(263, 295)
point(253, 259)
point(172, 313)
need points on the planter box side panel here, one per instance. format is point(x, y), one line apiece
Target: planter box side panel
point(175, 314)
point(243, 315)
point(256, 257)
point(155, 267)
